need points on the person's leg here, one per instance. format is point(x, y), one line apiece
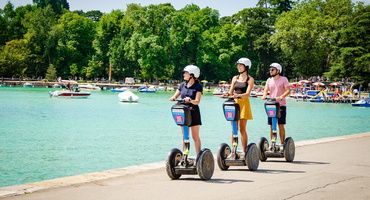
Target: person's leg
point(243, 133)
point(282, 121)
point(282, 133)
point(196, 138)
point(271, 132)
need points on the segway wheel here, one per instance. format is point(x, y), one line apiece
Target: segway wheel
point(173, 159)
point(222, 153)
point(205, 164)
point(263, 146)
point(251, 157)
point(289, 149)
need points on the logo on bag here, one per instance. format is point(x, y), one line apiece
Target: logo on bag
point(229, 115)
point(179, 119)
point(271, 113)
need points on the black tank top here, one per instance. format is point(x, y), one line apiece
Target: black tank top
point(240, 87)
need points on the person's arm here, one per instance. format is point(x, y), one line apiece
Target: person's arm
point(177, 94)
point(250, 86)
point(195, 101)
point(286, 93)
point(265, 91)
point(231, 90)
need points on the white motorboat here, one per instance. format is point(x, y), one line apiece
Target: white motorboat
point(88, 87)
point(122, 89)
point(150, 89)
point(128, 96)
point(70, 92)
point(161, 88)
point(56, 85)
point(27, 84)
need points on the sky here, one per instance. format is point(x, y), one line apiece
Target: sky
point(225, 7)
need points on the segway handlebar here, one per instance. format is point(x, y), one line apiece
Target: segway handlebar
point(230, 97)
point(270, 99)
point(180, 100)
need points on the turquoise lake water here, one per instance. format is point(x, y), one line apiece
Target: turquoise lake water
point(44, 138)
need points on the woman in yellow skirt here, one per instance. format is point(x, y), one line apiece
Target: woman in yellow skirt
point(241, 87)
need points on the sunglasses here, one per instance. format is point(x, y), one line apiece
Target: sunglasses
point(272, 69)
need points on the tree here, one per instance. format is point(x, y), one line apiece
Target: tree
point(94, 69)
point(305, 34)
point(277, 6)
point(38, 23)
point(107, 29)
point(149, 44)
point(75, 35)
point(56, 5)
point(257, 26)
point(351, 55)
point(14, 58)
point(51, 73)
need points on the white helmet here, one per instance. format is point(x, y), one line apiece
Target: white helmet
point(277, 66)
point(245, 61)
point(192, 69)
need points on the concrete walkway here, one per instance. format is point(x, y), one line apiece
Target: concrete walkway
point(330, 168)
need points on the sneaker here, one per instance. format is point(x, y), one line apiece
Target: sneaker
point(242, 156)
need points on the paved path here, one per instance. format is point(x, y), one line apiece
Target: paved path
point(330, 168)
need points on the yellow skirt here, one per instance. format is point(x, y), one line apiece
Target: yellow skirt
point(245, 108)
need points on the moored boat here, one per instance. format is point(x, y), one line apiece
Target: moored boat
point(121, 89)
point(150, 89)
point(362, 103)
point(27, 84)
point(89, 87)
point(128, 96)
point(70, 92)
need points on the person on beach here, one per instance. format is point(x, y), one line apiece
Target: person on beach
point(191, 92)
point(241, 87)
point(278, 86)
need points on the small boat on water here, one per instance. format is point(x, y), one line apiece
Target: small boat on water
point(27, 84)
point(56, 85)
point(128, 96)
point(362, 103)
point(70, 92)
point(161, 88)
point(170, 89)
point(123, 89)
point(150, 89)
point(88, 87)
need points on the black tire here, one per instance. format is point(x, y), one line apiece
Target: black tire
point(252, 157)
point(205, 164)
point(173, 159)
point(222, 153)
point(289, 149)
point(262, 145)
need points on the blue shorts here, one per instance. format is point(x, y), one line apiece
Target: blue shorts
point(282, 119)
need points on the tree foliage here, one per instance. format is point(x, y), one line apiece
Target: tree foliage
point(155, 42)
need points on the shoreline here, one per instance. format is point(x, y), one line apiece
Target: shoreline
point(29, 188)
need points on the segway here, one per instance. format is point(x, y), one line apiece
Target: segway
point(231, 157)
point(178, 162)
point(286, 151)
